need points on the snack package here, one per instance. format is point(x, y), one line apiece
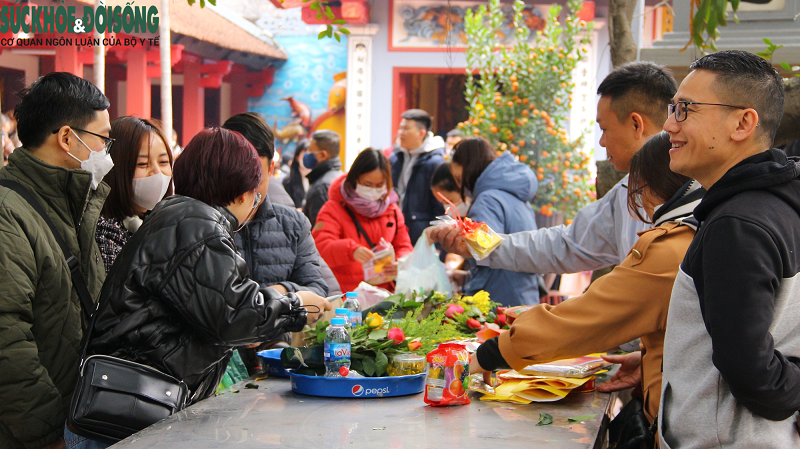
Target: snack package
point(578, 367)
point(373, 269)
point(448, 375)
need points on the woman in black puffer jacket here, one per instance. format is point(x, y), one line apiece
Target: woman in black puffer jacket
point(179, 296)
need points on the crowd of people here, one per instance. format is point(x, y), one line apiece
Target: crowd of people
point(190, 255)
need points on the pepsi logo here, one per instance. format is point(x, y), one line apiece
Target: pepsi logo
point(357, 390)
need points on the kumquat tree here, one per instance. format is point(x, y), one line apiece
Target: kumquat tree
point(521, 96)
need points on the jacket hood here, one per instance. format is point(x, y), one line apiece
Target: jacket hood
point(771, 170)
point(334, 191)
point(506, 174)
point(680, 208)
point(431, 142)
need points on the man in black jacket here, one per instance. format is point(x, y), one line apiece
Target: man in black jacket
point(322, 157)
point(732, 349)
point(277, 242)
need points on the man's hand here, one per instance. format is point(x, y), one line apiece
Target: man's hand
point(313, 299)
point(628, 375)
point(451, 239)
point(60, 444)
point(363, 255)
point(475, 367)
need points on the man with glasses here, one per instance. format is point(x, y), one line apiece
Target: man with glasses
point(731, 371)
point(63, 125)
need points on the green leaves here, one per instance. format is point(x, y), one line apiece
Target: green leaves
point(381, 362)
point(323, 9)
point(545, 419)
point(768, 52)
point(378, 334)
point(582, 418)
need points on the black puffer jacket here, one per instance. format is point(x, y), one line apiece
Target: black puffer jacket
point(179, 297)
point(279, 249)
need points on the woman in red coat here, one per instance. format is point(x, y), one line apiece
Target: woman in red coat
point(364, 194)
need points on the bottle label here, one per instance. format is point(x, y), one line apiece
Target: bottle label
point(355, 318)
point(336, 352)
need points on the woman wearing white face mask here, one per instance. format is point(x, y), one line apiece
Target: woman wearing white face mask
point(364, 197)
point(141, 177)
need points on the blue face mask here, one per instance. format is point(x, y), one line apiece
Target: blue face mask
point(310, 160)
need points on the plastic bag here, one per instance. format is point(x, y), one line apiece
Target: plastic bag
point(373, 268)
point(481, 239)
point(422, 270)
point(369, 295)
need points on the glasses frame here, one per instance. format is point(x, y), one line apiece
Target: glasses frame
point(673, 109)
point(108, 142)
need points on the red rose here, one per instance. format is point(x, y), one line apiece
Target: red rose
point(453, 310)
point(397, 335)
point(501, 310)
point(472, 323)
point(501, 320)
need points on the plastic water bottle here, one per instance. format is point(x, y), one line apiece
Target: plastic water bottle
point(351, 304)
point(344, 314)
point(336, 348)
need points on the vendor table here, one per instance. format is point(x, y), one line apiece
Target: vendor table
point(274, 416)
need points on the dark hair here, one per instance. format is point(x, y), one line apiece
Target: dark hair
point(650, 168)
point(55, 100)
point(216, 167)
point(367, 161)
point(299, 147)
point(744, 79)
point(130, 133)
point(254, 128)
point(327, 140)
point(455, 133)
point(642, 86)
point(442, 179)
point(422, 118)
point(473, 154)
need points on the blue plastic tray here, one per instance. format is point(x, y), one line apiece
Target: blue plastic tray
point(360, 387)
point(271, 362)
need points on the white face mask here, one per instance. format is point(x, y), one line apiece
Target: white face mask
point(147, 192)
point(98, 164)
point(463, 207)
point(370, 193)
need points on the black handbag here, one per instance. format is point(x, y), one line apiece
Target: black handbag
point(114, 398)
point(631, 429)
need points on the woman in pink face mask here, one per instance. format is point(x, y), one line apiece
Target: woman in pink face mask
point(363, 197)
point(140, 178)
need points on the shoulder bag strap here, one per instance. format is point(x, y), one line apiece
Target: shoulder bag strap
point(72, 261)
point(359, 229)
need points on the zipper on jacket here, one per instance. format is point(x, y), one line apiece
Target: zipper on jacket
point(248, 257)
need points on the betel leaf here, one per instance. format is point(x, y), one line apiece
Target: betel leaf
point(582, 418)
point(378, 334)
point(545, 419)
point(381, 362)
point(369, 366)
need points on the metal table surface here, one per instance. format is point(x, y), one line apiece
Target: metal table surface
point(274, 416)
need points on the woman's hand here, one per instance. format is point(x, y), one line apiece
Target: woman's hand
point(363, 255)
point(313, 299)
point(475, 367)
point(628, 375)
point(390, 269)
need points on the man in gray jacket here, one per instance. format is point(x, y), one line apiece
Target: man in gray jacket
point(631, 109)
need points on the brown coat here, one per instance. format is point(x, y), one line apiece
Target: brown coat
point(628, 303)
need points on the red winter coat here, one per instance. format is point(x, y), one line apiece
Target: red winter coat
point(337, 238)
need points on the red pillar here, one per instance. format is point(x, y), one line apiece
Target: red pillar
point(193, 101)
point(138, 84)
point(238, 92)
point(67, 60)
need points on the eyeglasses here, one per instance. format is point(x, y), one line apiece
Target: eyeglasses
point(681, 108)
point(107, 141)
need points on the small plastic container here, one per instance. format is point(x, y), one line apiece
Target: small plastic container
point(271, 362)
point(405, 364)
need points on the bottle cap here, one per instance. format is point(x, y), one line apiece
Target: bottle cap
point(342, 311)
point(351, 295)
point(337, 321)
